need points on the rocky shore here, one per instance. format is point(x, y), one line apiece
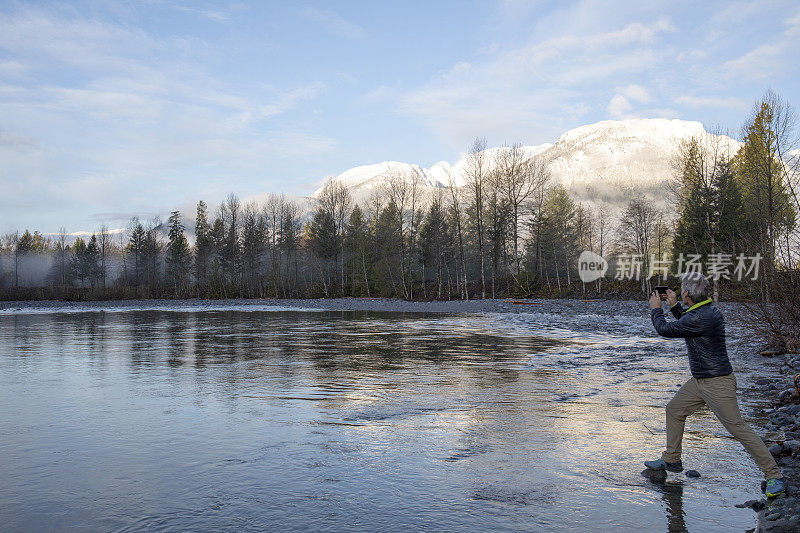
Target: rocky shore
point(782, 435)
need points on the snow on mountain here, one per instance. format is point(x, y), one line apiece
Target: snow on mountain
point(609, 160)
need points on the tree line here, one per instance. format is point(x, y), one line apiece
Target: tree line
point(505, 230)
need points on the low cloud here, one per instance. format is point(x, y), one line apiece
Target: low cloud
point(124, 129)
point(333, 23)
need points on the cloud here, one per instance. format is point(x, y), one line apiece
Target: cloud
point(109, 115)
point(637, 93)
point(17, 142)
point(619, 107)
point(769, 59)
point(380, 95)
point(523, 89)
point(730, 102)
point(333, 23)
point(794, 20)
point(759, 63)
point(210, 14)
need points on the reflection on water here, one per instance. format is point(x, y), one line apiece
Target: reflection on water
point(224, 419)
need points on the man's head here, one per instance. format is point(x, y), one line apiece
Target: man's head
point(694, 288)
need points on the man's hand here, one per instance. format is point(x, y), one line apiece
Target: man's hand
point(672, 298)
point(655, 300)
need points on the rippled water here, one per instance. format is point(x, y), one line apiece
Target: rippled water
point(264, 419)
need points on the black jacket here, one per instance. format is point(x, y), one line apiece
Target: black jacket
point(704, 330)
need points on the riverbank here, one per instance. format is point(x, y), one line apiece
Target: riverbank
point(393, 305)
point(782, 434)
point(327, 304)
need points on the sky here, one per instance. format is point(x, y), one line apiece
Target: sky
point(116, 109)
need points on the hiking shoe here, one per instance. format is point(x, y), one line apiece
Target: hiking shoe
point(661, 464)
point(774, 487)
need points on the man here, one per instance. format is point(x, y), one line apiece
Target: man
point(712, 382)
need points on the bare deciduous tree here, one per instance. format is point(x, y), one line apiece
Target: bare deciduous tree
point(103, 240)
point(520, 177)
point(636, 229)
point(476, 175)
point(456, 211)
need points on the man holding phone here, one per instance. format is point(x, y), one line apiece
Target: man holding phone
point(712, 382)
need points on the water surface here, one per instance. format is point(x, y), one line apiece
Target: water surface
point(265, 419)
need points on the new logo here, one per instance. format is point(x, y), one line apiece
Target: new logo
point(591, 266)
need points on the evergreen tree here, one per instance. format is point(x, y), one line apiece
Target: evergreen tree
point(434, 238)
point(289, 244)
point(22, 247)
point(78, 267)
point(761, 176)
point(357, 250)
point(136, 247)
point(710, 206)
point(152, 250)
point(556, 238)
point(254, 240)
point(323, 243)
point(25, 244)
point(92, 261)
point(389, 243)
point(230, 250)
point(203, 244)
point(179, 257)
point(217, 237)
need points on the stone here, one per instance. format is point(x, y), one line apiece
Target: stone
point(755, 505)
point(656, 476)
point(793, 409)
point(692, 473)
point(762, 381)
point(774, 436)
point(773, 516)
point(793, 445)
point(776, 449)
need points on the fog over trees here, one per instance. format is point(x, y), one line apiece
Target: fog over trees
point(507, 231)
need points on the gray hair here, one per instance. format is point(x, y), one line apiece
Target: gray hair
point(696, 284)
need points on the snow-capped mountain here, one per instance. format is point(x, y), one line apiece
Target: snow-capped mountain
point(610, 160)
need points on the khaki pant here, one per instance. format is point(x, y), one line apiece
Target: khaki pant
point(720, 395)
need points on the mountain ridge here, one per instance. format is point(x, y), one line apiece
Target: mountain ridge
point(600, 161)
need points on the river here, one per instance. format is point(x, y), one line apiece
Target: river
point(262, 418)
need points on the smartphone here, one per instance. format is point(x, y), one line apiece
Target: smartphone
point(662, 291)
